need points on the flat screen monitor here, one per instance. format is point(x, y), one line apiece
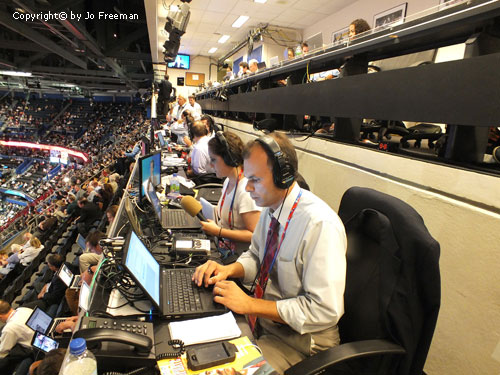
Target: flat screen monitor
point(145, 146)
point(39, 320)
point(161, 139)
point(132, 217)
point(149, 169)
point(181, 62)
point(143, 267)
point(153, 199)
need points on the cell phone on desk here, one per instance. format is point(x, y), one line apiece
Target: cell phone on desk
point(210, 355)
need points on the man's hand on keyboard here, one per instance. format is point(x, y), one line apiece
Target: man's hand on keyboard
point(210, 273)
point(67, 324)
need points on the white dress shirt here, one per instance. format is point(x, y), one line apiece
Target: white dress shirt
point(29, 254)
point(16, 331)
point(200, 160)
point(308, 278)
point(196, 111)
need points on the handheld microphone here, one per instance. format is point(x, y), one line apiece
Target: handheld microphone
point(192, 207)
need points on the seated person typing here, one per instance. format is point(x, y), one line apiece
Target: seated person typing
point(236, 211)
point(296, 261)
point(200, 160)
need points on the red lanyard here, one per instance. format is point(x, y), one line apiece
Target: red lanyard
point(292, 210)
point(230, 217)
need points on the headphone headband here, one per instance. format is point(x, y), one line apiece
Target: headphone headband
point(228, 156)
point(283, 171)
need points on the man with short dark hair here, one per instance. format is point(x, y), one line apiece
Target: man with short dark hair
point(50, 364)
point(15, 341)
point(52, 293)
point(89, 213)
point(296, 263)
point(165, 90)
point(196, 112)
point(200, 160)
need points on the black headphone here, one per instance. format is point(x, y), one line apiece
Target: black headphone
point(227, 155)
point(283, 171)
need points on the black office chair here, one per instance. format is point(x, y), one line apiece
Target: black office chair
point(392, 294)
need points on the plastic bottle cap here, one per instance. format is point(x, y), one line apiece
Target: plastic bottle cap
point(175, 174)
point(77, 346)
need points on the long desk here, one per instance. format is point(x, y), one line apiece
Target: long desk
point(119, 357)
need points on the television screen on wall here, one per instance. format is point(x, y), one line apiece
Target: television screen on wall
point(181, 62)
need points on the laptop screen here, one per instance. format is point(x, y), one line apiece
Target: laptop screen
point(83, 301)
point(65, 275)
point(143, 267)
point(39, 321)
point(153, 198)
point(132, 217)
point(80, 240)
point(149, 170)
point(161, 139)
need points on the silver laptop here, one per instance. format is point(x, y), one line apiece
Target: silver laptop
point(42, 322)
point(72, 281)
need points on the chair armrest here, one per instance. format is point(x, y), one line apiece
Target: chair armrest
point(358, 349)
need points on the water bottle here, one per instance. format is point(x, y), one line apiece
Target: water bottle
point(174, 185)
point(80, 360)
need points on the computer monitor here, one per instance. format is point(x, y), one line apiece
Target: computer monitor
point(161, 139)
point(80, 240)
point(132, 217)
point(83, 300)
point(143, 267)
point(153, 199)
point(149, 169)
point(145, 146)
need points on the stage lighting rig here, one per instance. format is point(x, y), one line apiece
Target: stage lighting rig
point(177, 21)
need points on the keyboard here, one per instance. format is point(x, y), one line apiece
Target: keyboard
point(175, 218)
point(182, 294)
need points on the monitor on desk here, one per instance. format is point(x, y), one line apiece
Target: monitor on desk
point(153, 199)
point(132, 217)
point(143, 267)
point(149, 170)
point(161, 139)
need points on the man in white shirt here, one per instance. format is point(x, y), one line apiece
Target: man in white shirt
point(253, 66)
point(296, 263)
point(200, 160)
point(196, 112)
point(15, 341)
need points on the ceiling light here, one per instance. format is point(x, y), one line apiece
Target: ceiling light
point(212, 50)
point(240, 21)
point(223, 39)
point(260, 1)
point(16, 74)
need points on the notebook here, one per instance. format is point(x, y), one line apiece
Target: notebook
point(42, 322)
point(170, 290)
point(170, 218)
point(67, 277)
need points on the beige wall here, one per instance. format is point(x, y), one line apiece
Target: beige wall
point(454, 204)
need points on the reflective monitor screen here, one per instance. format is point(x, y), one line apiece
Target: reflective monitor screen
point(80, 240)
point(181, 62)
point(66, 275)
point(153, 198)
point(83, 300)
point(150, 168)
point(144, 268)
point(39, 321)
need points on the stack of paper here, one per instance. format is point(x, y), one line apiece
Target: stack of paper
point(212, 328)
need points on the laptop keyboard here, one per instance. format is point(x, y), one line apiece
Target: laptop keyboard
point(182, 294)
point(176, 218)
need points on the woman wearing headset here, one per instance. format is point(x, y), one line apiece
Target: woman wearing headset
point(237, 214)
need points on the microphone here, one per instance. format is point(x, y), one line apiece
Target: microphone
point(192, 207)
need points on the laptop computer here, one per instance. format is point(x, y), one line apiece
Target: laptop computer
point(83, 300)
point(72, 281)
point(80, 240)
point(42, 322)
point(171, 291)
point(170, 218)
point(132, 217)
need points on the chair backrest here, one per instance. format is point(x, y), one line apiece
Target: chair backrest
point(393, 287)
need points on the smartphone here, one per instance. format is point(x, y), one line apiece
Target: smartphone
point(210, 355)
point(44, 343)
